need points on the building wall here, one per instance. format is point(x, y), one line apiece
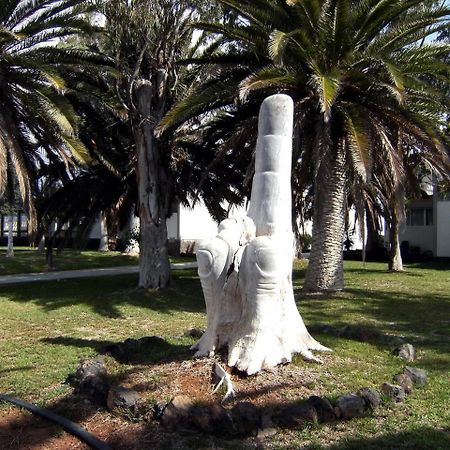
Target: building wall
point(419, 236)
point(196, 223)
point(443, 229)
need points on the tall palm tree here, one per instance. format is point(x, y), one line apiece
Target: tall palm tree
point(37, 123)
point(361, 73)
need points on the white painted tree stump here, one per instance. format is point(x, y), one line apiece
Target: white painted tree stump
point(246, 270)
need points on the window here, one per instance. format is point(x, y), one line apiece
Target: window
point(428, 216)
point(419, 217)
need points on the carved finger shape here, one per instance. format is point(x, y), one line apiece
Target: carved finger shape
point(246, 270)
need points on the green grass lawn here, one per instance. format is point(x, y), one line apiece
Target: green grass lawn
point(27, 260)
point(47, 327)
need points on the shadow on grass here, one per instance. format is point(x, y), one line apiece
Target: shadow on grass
point(16, 369)
point(423, 319)
point(145, 351)
point(424, 438)
point(105, 295)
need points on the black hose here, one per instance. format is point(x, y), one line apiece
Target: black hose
point(69, 426)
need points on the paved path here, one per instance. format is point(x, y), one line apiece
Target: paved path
point(82, 273)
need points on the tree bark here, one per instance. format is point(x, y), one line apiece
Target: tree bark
point(325, 271)
point(132, 247)
point(103, 245)
point(10, 247)
point(372, 239)
point(153, 192)
point(395, 257)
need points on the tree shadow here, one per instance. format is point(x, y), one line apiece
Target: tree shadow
point(144, 351)
point(17, 369)
point(20, 429)
point(421, 438)
point(105, 295)
point(422, 319)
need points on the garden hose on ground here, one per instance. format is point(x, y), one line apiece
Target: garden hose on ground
point(69, 426)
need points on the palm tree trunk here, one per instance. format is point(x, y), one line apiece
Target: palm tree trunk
point(325, 271)
point(395, 256)
point(153, 191)
point(103, 245)
point(372, 240)
point(10, 247)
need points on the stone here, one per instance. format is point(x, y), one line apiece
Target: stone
point(91, 380)
point(210, 419)
point(394, 392)
point(196, 333)
point(394, 341)
point(200, 417)
point(267, 428)
point(246, 418)
point(91, 367)
point(404, 380)
point(371, 397)
point(322, 405)
point(248, 264)
point(115, 350)
point(350, 406)
point(296, 414)
point(176, 413)
point(418, 376)
point(406, 352)
point(120, 397)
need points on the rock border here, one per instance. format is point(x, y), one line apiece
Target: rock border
point(244, 418)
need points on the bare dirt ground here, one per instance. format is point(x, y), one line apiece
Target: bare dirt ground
point(156, 383)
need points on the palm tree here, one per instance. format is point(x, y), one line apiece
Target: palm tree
point(362, 79)
point(37, 123)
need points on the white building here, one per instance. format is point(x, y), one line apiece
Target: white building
point(427, 227)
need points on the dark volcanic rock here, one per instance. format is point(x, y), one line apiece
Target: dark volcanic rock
point(395, 392)
point(406, 352)
point(210, 419)
point(246, 418)
point(122, 398)
point(322, 405)
point(176, 413)
point(267, 428)
point(91, 380)
point(349, 406)
point(418, 376)
point(404, 380)
point(371, 397)
point(196, 333)
point(296, 415)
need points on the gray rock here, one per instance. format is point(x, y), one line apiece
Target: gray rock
point(349, 406)
point(394, 341)
point(393, 391)
point(176, 413)
point(418, 376)
point(196, 333)
point(210, 419)
point(406, 352)
point(267, 428)
point(404, 380)
point(325, 411)
point(296, 415)
point(91, 367)
point(246, 418)
point(371, 396)
point(120, 397)
point(91, 380)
